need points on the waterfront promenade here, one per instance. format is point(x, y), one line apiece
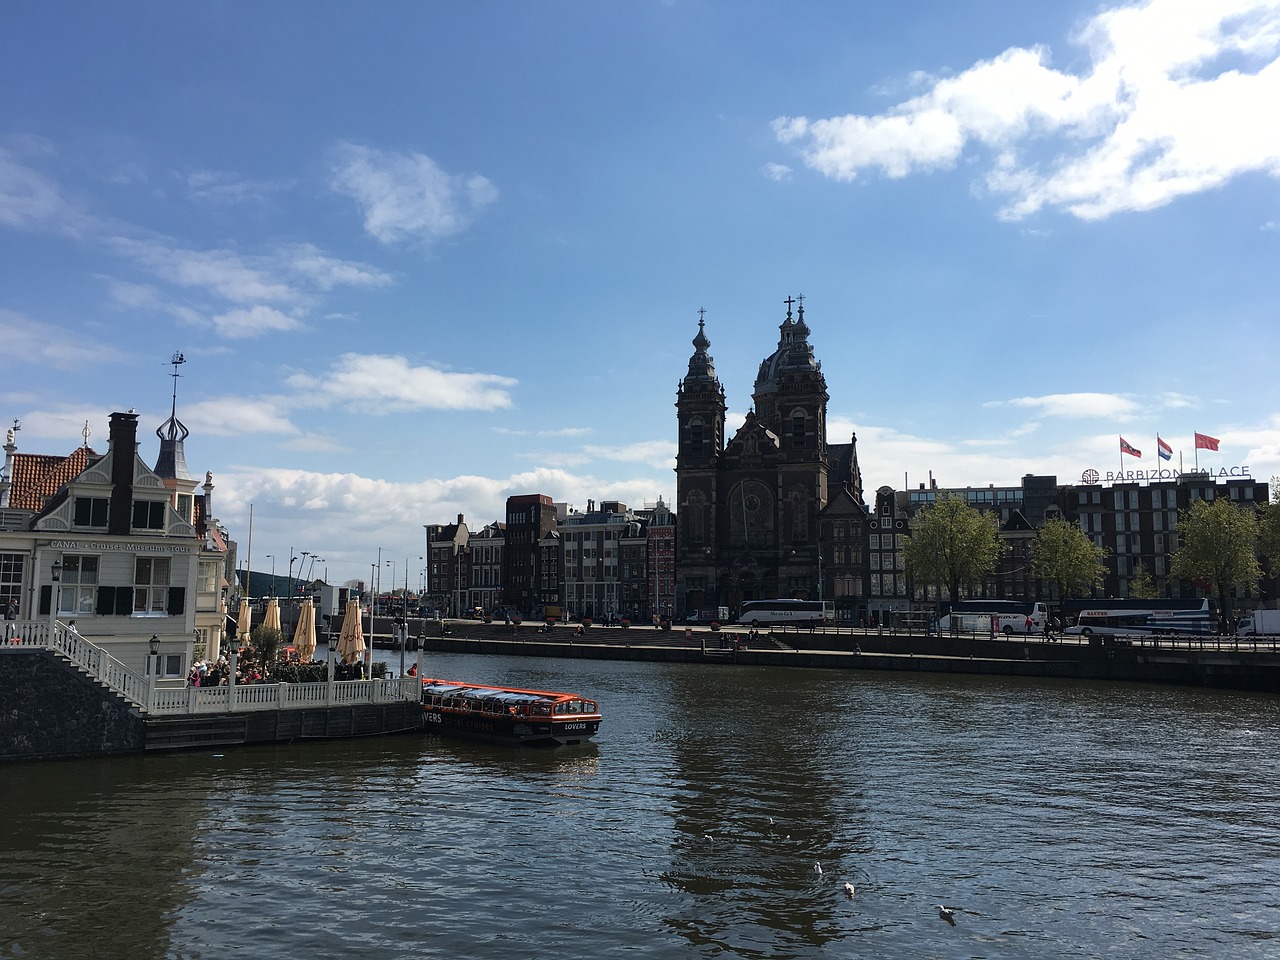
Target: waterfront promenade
point(1251, 664)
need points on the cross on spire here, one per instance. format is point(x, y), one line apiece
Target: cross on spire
point(789, 301)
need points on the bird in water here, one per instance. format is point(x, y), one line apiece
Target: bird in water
point(948, 914)
point(817, 868)
point(848, 889)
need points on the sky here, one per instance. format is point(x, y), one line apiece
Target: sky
point(422, 257)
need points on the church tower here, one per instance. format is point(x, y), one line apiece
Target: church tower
point(700, 407)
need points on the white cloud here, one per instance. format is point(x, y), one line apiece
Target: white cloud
point(1157, 116)
point(30, 200)
point(561, 432)
point(214, 186)
point(407, 196)
point(1075, 405)
point(658, 453)
point(39, 344)
point(777, 172)
point(253, 322)
point(236, 416)
point(223, 272)
point(388, 384)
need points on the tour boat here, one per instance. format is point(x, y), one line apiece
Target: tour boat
point(508, 714)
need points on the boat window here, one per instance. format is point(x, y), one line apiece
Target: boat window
point(542, 709)
point(588, 706)
point(560, 708)
point(575, 706)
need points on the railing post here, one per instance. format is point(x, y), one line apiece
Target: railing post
point(231, 681)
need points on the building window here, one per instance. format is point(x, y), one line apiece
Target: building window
point(91, 511)
point(185, 504)
point(11, 566)
point(150, 586)
point(208, 576)
point(79, 584)
point(148, 514)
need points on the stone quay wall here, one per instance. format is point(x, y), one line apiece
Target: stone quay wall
point(49, 709)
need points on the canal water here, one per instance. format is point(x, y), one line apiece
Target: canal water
point(719, 814)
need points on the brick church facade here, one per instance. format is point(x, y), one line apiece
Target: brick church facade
point(775, 510)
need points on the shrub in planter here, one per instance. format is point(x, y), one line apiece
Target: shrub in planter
point(488, 619)
point(715, 626)
point(664, 624)
point(517, 620)
point(624, 623)
point(586, 621)
point(550, 620)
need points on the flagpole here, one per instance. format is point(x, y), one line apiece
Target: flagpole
point(1197, 458)
point(1121, 456)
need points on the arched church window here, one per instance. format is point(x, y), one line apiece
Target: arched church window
point(799, 423)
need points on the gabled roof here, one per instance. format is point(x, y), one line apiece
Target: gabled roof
point(38, 477)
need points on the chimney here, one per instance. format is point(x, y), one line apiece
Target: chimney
point(459, 519)
point(123, 441)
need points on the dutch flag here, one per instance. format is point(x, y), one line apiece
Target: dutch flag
point(1165, 451)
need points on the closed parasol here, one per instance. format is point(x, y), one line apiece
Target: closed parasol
point(304, 635)
point(243, 622)
point(351, 639)
point(271, 619)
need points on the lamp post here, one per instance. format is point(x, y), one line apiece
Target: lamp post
point(292, 561)
point(153, 667)
point(55, 575)
point(272, 558)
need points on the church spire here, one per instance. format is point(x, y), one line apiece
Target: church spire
point(701, 364)
point(172, 462)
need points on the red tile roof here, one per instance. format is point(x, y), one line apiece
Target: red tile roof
point(37, 477)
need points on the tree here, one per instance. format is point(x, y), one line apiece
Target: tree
point(952, 545)
point(1218, 548)
point(1269, 527)
point(1142, 586)
point(1065, 556)
point(266, 642)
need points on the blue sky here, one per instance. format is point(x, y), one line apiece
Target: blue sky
point(421, 257)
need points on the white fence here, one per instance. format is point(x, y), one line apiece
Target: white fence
point(192, 701)
point(242, 698)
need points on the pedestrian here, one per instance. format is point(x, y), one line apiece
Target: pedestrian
point(1030, 624)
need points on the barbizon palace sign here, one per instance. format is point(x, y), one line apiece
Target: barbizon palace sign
point(1091, 476)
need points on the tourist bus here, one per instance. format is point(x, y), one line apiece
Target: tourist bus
point(800, 613)
point(994, 616)
point(1139, 617)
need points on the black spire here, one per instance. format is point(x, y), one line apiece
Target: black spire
point(172, 462)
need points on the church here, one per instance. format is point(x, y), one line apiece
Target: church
point(775, 511)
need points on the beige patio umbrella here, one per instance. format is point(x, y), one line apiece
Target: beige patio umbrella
point(271, 619)
point(242, 622)
point(351, 639)
point(304, 635)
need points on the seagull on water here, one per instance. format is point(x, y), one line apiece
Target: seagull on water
point(948, 914)
point(817, 868)
point(848, 889)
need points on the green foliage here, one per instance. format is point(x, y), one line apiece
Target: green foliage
point(952, 545)
point(266, 642)
point(1269, 526)
point(300, 672)
point(1065, 556)
point(1218, 547)
point(1142, 586)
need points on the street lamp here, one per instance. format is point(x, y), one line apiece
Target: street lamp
point(55, 574)
point(153, 648)
point(273, 573)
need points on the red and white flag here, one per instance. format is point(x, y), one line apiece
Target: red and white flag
point(1131, 450)
point(1206, 442)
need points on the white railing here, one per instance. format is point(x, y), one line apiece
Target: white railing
point(248, 697)
point(190, 701)
point(96, 661)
